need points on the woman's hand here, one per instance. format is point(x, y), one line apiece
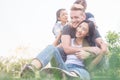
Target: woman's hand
point(82, 54)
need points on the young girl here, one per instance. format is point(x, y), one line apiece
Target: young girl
point(61, 21)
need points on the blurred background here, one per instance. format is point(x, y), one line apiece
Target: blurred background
point(26, 25)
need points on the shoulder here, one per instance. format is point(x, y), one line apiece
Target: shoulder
point(57, 24)
point(67, 30)
point(67, 27)
point(88, 14)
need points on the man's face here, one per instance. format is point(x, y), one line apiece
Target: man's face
point(77, 17)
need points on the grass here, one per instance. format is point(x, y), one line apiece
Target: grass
point(10, 70)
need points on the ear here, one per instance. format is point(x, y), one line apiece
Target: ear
point(84, 16)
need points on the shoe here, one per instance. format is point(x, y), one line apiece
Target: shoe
point(27, 71)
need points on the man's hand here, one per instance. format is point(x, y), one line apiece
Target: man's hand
point(103, 46)
point(82, 54)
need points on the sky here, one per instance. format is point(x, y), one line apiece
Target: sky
point(26, 25)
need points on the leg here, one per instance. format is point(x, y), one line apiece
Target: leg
point(44, 57)
point(104, 63)
point(80, 71)
point(95, 61)
point(40, 61)
point(100, 61)
point(63, 55)
point(59, 60)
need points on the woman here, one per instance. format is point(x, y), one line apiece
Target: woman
point(89, 16)
point(85, 30)
point(61, 21)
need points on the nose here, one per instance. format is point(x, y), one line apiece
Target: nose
point(73, 21)
point(66, 15)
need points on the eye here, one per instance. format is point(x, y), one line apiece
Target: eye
point(71, 17)
point(79, 26)
point(84, 29)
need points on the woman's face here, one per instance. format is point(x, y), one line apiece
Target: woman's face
point(63, 16)
point(82, 30)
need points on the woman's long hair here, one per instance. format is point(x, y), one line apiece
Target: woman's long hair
point(92, 32)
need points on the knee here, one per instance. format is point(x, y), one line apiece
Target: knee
point(51, 47)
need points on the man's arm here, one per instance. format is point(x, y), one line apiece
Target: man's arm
point(102, 45)
point(93, 50)
point(66, 44)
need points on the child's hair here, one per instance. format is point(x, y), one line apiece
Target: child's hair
point(58, 13)
point(91, 34)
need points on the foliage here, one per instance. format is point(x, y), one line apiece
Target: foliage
point(113, 39)
point(113, 72)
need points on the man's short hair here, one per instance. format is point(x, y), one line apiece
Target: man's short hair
point(82, 2)
point(77, 7)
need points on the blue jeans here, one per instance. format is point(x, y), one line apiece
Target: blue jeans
point(50, 51)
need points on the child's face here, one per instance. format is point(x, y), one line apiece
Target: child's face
point(63, 16)
point(82, 30)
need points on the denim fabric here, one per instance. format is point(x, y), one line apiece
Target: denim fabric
point(45, 55)
point(81, 71)
point(50, 51)
point(60, 49)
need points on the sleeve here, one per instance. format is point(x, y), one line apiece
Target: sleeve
point(66, 30)
point(56, 29)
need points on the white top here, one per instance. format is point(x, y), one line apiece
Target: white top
point(72, 59)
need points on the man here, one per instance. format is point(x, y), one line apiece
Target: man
point(77, 15)
point(89, 16)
